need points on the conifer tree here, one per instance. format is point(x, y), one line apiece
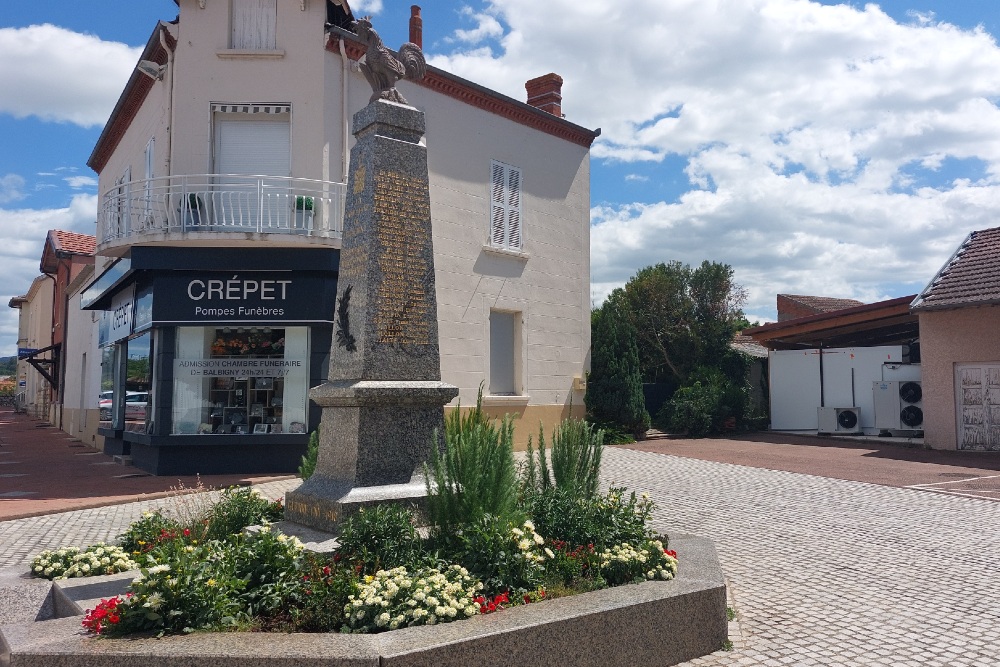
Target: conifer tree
point(614, 387)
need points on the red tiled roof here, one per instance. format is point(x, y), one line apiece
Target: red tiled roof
point(970, 278)
point(73, 243)
point(822, 304)
point(748, 346)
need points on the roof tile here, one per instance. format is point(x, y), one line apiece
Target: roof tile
point(970, 278)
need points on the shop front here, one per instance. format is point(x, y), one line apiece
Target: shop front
point(208, 355)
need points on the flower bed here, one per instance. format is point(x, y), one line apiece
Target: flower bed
point(497, 539)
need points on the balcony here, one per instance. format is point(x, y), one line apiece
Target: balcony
point(219, 204)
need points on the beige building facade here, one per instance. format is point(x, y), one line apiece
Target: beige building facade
point(224, 163)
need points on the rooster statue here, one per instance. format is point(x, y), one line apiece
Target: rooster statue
point(383, 69)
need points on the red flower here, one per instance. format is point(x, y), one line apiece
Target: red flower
point(326, 570)
point(187, 532)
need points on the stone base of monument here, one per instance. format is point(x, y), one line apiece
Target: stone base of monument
point(321, 504)
point(652, 623)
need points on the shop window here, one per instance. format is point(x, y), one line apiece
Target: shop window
point(138, 375)
point(253, 24)
point(240, 380)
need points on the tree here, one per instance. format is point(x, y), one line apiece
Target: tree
point(614, 387)
point(684, 318)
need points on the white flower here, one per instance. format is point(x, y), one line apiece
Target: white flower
point(530, 526)
point(548, 552)
point(524, 545)
point(156, 569)
point(154, 601)
point(382, 619)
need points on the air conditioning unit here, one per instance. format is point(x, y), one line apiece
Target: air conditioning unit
point(838, 420)
point(898, 405)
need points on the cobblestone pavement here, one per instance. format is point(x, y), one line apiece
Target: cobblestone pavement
point(820, 571)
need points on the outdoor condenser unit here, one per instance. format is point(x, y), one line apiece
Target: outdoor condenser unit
point(838, 420)
point(899, 405)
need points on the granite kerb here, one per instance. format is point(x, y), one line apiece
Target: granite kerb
point(661, 623)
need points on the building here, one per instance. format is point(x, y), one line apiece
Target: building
point(44, 328)
point(35, 358)
point(222, 172)
point(959, 315)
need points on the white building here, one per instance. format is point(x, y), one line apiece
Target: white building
point(221, 176)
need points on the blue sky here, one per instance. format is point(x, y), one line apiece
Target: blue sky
point(838, 149)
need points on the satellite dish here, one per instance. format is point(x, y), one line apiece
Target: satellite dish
point(152, 70)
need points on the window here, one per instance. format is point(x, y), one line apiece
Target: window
point(241, 380)
point(504, 353)
point(253, 23)
point(505, 206)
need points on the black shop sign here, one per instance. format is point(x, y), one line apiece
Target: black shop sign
point(208, 297)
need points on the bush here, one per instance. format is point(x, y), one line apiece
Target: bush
point(705, 405)
point(396, 598)
point(474, 475)
point(614, 385)
point(576, 460)
point(269, 563)
point(624, 563)
point(601, 521)
point(504, 556)
point(308, 465)
point(239, 507)
point(317, 605)
point(143, 535)
point(380, 538)
point(71, 562)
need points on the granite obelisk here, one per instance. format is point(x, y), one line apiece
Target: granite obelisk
point(384, 397)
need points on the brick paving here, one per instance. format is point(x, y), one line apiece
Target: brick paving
point(821, 571)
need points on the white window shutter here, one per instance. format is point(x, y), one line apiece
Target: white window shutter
point(254, 23)
point(505, 206)
point(514, 208)
point(498, 206)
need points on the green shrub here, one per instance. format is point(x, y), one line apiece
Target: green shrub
point(614, 385)
point(703, 406)
point(269, 563)
point(474, 475)
point(237, 508)
point(602, 520)
point(196, 588)
point(142, 535)
point(576, 459)
point(70, 562)
point(501, 554)
point(380, 537)
point(397, 598)
point(308, 465)
point(625, 563)
point(317, 605)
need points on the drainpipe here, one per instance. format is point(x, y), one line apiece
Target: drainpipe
point(170, 102)
point(346, 158)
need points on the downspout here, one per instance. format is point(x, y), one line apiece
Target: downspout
point(170, 102)
point(346, 158)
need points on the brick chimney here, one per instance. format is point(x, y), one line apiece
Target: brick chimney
point(416, 26)
point(545, 92)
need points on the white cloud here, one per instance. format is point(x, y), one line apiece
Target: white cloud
point(79, 182)
point(639, 178)
point(487, 27)
point(61, 75)
point(815, 135)
point(24, 237)
point(361, 7)
point(11, 188)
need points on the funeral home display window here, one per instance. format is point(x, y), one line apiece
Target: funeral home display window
point(250, 380)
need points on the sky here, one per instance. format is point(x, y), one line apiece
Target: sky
point(822, 148)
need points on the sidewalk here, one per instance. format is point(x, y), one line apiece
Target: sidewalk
point(44, 470)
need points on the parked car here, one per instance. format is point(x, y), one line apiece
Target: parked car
point(136, 403)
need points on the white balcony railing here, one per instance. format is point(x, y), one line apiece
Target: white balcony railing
point(222, 203)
